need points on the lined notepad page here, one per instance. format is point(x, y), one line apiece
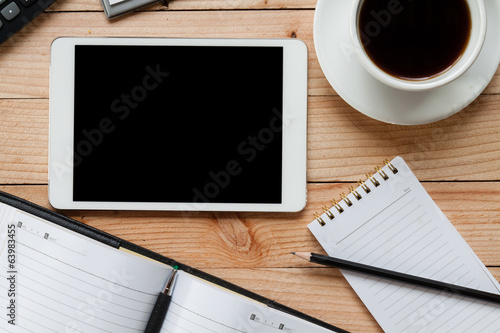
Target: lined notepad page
point(65, 282)
point(398, 226)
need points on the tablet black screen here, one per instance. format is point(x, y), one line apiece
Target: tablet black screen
point(178, 124)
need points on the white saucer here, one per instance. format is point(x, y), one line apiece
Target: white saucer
point(377, 100)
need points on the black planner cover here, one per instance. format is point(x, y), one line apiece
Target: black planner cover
point(116, 242)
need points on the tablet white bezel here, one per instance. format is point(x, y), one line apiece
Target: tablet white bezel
point(294, 125)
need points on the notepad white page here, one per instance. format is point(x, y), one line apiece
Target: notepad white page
point(397, 226)
point(198, 306)
point(65, 282)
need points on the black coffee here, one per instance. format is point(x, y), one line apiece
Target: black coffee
point(414, 39)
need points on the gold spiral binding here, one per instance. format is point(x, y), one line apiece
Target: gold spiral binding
point(346, 199)
point(355, 193)
point(391, 167)
point(381, 172)
point(328, 213)
point(319, 219)
point(373, 179)
point(337, 206)
point(365, 187)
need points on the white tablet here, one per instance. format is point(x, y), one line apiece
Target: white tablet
point(178, 124)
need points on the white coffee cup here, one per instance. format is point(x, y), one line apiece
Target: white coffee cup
point(474, 46)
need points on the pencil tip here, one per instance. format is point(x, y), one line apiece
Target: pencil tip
point(303, 255)
point(292, 253)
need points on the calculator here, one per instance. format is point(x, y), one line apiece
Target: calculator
point(15, 14)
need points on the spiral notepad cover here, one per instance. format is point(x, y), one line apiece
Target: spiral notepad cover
point(356, 194)
point(390, 221)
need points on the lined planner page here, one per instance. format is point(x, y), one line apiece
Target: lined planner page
point(61, 281)
point(398, 226)
point(201, 307)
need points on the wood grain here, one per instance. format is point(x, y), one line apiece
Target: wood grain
point(24, 139)
point(22, 77)
point(92, 5)
point(251, 240)
point(343, 144)
point(456, 158)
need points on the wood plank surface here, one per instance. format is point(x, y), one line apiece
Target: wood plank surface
point(23, 77)
point(252, 250)
point(92, 5)
point(343, 144)
point(246, 240)
point(457, 159)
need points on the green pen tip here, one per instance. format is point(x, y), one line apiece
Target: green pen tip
point(176, 267)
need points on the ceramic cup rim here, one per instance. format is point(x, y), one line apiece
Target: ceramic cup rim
point(468, 57)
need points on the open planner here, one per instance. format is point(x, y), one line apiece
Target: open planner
point(391, 222)
point(59, 275)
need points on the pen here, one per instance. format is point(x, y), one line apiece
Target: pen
point(160, 309)
point(402, 277)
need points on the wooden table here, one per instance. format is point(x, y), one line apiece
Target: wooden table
point(457, 159)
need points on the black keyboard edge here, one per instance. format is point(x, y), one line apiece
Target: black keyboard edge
point(27, 15)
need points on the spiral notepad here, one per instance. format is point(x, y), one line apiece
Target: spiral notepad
point(390, 221)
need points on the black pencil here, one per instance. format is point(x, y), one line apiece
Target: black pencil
point(401, 277)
